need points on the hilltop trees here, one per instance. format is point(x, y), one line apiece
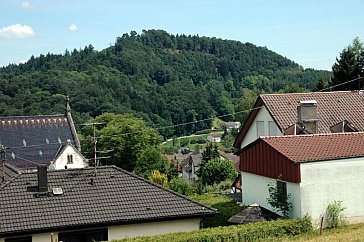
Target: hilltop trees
point(349, 66)
point(162, 78)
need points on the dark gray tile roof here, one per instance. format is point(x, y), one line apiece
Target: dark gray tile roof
point(34, 140)
point(117, 197)
point(7, 171)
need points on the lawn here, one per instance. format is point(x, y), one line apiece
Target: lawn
point(227, 207)
point(349, 233)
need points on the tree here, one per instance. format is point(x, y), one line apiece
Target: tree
point(216, 171)
point(347, 67)
point(150, 159)
point(128, 137)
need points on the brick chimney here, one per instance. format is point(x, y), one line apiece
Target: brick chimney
point(307, 115)
point(42, 179)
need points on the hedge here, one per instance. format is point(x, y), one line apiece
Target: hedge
point(252, 232)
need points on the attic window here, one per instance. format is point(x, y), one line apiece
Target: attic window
point(69, 159)
point(40, 153)
point(59, 140)
point(24, 142)
point(12, 155)
point(47, 140)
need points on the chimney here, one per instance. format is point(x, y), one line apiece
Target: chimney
point(42, 179)
point(307, 115)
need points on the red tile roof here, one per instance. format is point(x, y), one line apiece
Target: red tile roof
point(318, 147)
point(332, 108)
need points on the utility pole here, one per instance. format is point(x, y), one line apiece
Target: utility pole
point(94, 140)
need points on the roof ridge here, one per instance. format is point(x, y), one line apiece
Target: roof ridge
point(34, 116)
point(305, 93)
point(312, 135)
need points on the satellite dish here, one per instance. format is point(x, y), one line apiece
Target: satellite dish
point(51, 167)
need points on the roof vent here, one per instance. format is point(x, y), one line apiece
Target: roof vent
point(57, 191)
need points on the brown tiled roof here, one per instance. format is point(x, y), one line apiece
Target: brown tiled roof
point(318, 147)
point(332, 108)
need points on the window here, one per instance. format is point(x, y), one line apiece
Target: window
point(272, 128)
point(282, 191)
point(260, 128)
point(69, 159)
point(20, 239)
point(84, 236)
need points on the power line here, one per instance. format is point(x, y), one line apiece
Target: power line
point(343, 83)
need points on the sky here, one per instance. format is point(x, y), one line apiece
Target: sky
point(312, 33)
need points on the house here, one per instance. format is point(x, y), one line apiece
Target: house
point(190, 166)
point(41, 139)
point(303, 113)
point(315, 169)
point(214, 137)
point(231, 125)
point(99, 203)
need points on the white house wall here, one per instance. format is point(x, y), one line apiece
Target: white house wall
point(134, 230)
point(146, 229)
point(43, 237)
point(251, 135)
point(336, 180)
point(255, 190)
point(78, 161)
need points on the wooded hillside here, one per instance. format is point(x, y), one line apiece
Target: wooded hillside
point(165, 79)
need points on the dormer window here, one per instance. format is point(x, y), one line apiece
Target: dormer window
point(69, 159)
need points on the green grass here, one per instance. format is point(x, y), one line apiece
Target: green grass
point(227, 207)
point(349, 233)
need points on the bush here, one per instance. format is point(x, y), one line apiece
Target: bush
point(223, 186)
point(227, 207)
point(181, 186)
point(216, 171)
point(334, 214)
point(252, 232)
point(159, 178)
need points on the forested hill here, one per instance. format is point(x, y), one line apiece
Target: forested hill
point(166, 79)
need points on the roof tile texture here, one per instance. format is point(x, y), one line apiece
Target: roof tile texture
point(116, 197)
point(332, 107)
point(34, 139)
point(318, 147)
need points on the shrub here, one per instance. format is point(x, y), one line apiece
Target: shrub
point(181, 186)
point(227, 207)
point(223, 186)
point(334, 214)
point(216, 171)
point(159, 178)
point(252, 232)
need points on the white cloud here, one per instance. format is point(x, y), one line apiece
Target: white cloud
point(73, 27)
point(23, 61)
point(17, 31)
point(27, 5)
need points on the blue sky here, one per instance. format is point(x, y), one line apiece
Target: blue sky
point(311, 32)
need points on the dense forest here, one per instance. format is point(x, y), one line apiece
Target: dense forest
point(163, 78)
